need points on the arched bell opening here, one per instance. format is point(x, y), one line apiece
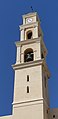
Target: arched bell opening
point(29, 34)
point(28, 55)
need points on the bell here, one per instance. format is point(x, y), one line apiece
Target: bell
point(29, 57)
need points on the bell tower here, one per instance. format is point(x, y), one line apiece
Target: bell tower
point(31, 72)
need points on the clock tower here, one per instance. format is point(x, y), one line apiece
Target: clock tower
point(31, 72)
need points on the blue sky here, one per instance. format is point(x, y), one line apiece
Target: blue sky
point(11, 12)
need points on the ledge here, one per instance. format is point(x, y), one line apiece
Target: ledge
point(27, 64)
point(30, 15)
point(34, 24)
point(32, 64)
point(34, 40)
point(28, 102)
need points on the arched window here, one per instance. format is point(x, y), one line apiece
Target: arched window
point(28, 55)
point(29, 34)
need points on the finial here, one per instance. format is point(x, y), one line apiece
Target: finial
point(31, 8)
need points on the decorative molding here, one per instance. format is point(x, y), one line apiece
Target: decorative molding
point(34, 40)
point(28, 102)
point(31, 64)
point(28, 25)
point(29, 15)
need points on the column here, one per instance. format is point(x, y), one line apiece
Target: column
point(35, 33)
point(18, 55)
point(22, 35)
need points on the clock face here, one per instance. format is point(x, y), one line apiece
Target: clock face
point(29, 20)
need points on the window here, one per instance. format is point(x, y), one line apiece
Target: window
point(53, 116)
point(27, 78)
point(27, 89)
point(29, 34)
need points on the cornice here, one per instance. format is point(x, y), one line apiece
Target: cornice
point(34, 24)
point(27, 64)
point(29, 15)
point(28, 102)
point(34, 40)
point(32, 64)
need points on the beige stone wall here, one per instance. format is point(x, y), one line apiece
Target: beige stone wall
point(29, 111)
point(35, 84)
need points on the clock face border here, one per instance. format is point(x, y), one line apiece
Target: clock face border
point(29, 20)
